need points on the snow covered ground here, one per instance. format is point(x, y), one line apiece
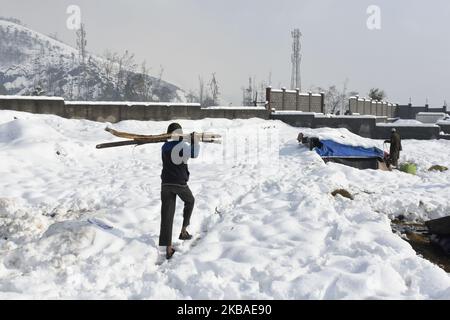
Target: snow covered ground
point(265, 223)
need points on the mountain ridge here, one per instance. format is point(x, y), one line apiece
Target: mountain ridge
point(32, 63)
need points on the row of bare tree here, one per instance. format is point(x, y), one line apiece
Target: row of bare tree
point(208, 95)
point(82, 76)
point(336, 101)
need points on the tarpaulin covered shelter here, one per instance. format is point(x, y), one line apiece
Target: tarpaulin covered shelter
point(354, 156)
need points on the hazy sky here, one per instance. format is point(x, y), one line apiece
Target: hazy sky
point(408, 57)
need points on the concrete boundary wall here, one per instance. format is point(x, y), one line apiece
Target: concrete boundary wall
point(408, 132)
point(409, 111)
point(118, 111)
point(44, 106)
point(365, 106)
point(365, 126)
point(445, 126)
point(294, 100)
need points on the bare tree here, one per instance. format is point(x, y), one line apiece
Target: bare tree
point(201, 90)
point(250, 94)
point(109, 66)
point(144, 83)
point(191, 97)
point(159, 81)
point(3, 89)
point(54, 36)
point(262, 93)
point(81, 46)
point(38, 67)
point(126, 65)
point(70, 86)
point(82, 43)
point(160, 74)
point(333, 99)
point(336, 101)
point(377, 94)
point(214, 89)
point(343, 97)
point(109, 63)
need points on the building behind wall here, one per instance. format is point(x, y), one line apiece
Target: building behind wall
point(410, 112)
point(294, 100)
point(364, 106)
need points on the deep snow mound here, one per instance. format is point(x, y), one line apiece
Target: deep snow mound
point(264, 227)
point(29, 131)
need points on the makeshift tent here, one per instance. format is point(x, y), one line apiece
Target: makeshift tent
point(440, 227)
point(440, 230)
point(357, 157)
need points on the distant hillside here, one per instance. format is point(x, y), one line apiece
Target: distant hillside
point(34, 64)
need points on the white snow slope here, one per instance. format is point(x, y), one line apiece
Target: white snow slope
point(265, 227)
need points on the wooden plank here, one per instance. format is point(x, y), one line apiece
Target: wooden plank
point(175, 136)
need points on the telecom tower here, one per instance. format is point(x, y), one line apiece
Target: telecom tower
point(296, 60)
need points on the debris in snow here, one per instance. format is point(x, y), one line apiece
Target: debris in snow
point(438, 168)
point(342, 192)
point(408, 167)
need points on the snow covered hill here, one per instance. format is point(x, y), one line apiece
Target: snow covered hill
point(265, 224)
point(29, 60)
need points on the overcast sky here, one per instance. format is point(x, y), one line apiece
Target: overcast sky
point(408, 57)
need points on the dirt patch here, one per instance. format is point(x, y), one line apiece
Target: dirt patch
point(438, 168)
point(416, 234)
point(343, 193)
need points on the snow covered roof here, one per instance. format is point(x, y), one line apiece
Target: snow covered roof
point(294, 112)
point(235, 108)
point(406, 123)
point(320, 115)
point(294, 91)
point(432, 114)
point(312, 94)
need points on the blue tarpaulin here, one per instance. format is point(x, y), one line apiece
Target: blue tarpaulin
point(332, 149)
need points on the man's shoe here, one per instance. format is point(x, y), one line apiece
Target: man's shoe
point(170, 254)
point(185, 236)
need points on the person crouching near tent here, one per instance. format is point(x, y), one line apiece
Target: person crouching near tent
point(396, 147)
point(174, 176)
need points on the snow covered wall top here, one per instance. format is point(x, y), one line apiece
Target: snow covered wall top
point(115, 111)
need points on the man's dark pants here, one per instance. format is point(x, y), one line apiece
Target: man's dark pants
point(394, 156)
point(169, 195)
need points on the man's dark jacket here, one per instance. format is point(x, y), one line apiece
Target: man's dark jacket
point(396, 145)
point(179, 151)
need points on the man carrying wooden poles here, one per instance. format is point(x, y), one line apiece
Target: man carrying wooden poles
point(174, 176)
